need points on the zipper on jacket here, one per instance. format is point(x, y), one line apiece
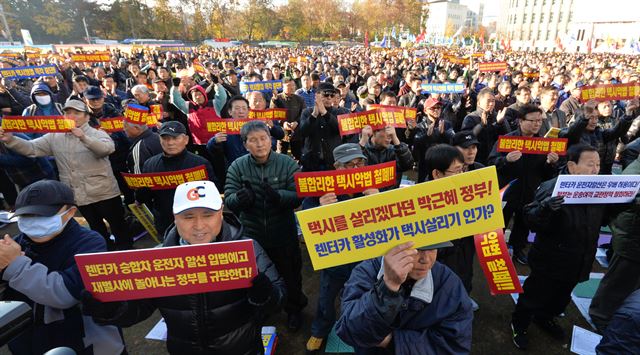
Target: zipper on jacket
point(264, 201)
point(201, 315)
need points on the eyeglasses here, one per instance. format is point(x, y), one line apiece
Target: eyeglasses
point(357, 164)
point(328, 94)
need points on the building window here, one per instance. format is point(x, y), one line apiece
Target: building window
point(551, 17)
point(541, 18)
point(524, 18)
point(539, 35)
point(533, 18)
point(548, 35)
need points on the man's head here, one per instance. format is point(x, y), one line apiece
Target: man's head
point(109, 82)
point(160, 85)
point(486, 100)
point(44, 208)
point(94, 98)
point(583, 159)
point(348, 156)
point(80, 83)
point(133, 130)
point(523, 95)
point(605, 109)
point(197, 208)
point(590, 112)
point(164, 73)
point(256, 138)
point(77, 111)
point(141, 94)
point(198, 95)
point(256, 100)
point(327, 93)
point(504, 88)
point(530, 119)
point(443, 160)
point(173, 138)
point(288, 86)
point(388, 98)
point(416, 84)
point(425, 258)
point(433, 108)
point(305, 80)
point(548, 98)
point(238, 107)
point(467, 144)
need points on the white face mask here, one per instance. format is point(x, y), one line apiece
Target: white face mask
point(43, 100)
point(37, 227)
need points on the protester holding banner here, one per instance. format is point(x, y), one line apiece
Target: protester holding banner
point(528, 171)
point(381, 146)
point(306, 91)
point(319, 129)
point(431, 131)
point(144, 144)
point(12, 102)
point(44, 102)
point(230, 144)
point(553, 117)
point(332, 279)
point(563, 251)
point(39, 267)
point(485, 124)
point(260, 190)
point(174, 157)
point(83, 164)
point(586, 130)
point(99, 110)
point(295, 105)
point(623, 275)
point(406, 303)
point(523, 97)
point(223, 322)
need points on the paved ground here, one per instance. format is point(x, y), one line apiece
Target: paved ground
point(491, 333)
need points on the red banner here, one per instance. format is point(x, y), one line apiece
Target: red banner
point(230, 126)
point(154, 115)
point(496, 264)
point(410, 113)
point(270, 114)
point(111, 125)
point(379, 118)
point(492, 66)
point(37, 124)
point(92, 58)
point(136, 114)
point(172, 271)
point(610, 92)
point(532, 145)
point(165, 180)
point(345, 181)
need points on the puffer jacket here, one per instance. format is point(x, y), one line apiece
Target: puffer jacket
point(221, 323)
point(271, 225)
point(82, 165)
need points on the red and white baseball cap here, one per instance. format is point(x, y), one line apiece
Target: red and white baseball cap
point(195, 194)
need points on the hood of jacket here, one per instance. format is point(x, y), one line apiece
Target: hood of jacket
point(40, 87)
point(203, 91)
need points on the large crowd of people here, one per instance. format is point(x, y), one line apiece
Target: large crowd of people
point(411, 301)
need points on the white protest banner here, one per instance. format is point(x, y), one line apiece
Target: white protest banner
point(594, 189)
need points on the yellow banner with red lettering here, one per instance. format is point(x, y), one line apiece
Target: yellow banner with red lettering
point(270, 114)
point(427, 213)
point(91, 58)
point(379, 118)
point(345, 181)
point(610, 92)
point(229, 126)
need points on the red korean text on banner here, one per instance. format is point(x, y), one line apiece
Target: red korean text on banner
point(378, 118)
point(345, 181)
point(112, 125)
point(496, 263)
point(154, 115)
point(410, 113)
point(165, 180)
point(136, 114)
point(172, 271)
point(91, 58)
point(492, 66)
point(230, 126)
point(37, 124)
point(270, 114)
point(610, 92)
point(532, 145)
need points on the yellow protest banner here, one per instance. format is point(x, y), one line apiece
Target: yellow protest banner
point(426, 213)
point(145, 218)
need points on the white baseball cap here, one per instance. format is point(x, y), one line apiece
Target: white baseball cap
point(194, 194)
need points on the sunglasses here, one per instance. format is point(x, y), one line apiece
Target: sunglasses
point(328, 94)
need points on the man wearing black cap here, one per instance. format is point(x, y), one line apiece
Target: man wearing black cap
point(99, 109)
point(406, 303)
point(83, 164)
point(467, 144)
point(40, 269)
point(174, 156)
point(294, 105)
point(319, 128)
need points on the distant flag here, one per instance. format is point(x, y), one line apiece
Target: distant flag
point(366, 39)
point(458, 32)
point(393, 32)
point(383, 44)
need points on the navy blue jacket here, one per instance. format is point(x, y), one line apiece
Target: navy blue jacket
point(622, 336)
point(370, 311)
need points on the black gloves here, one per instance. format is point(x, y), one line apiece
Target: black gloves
point(176, 82)
point(270, 195)
point(101, 312)
point(246, 196)
point(260, 290)
point(552, 203)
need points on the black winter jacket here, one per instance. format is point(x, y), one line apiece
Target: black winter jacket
point(220, 323)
